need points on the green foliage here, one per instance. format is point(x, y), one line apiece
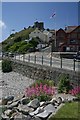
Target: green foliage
point(47, 82)
point(70, 111)
point(64, 84)
point(18, 39)
point(34, 42)
point(6, 66)
point(44, 97)
point(14, 47)
point(41, 90)
point(12, 35)
point(9, 43)
point(24, 48)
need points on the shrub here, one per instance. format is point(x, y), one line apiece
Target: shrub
point(41, 91)
point(6, 66)
point(64, 84)
point(18, 39)
point(47, 82)
point(75, 91)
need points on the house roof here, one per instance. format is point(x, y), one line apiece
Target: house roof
point(69, 29)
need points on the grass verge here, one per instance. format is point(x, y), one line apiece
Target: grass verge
point(70, 111)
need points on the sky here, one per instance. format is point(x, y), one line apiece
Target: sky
point(17, 15)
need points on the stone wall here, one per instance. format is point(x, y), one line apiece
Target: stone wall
point(39, 72)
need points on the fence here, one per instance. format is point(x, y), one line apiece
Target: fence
point(44, 60)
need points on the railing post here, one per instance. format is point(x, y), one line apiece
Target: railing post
point(35, 59)
point(42, 59)
point(51, 61)
point(23, 57)
point(74, 64)
point(19, 56)
point(61, 62)
point(29, 58)
point(15, 56)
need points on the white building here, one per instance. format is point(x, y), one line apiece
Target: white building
point(43, 35)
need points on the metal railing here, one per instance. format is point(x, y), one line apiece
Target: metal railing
point(44, 60)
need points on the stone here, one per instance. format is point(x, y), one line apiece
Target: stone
point(42, 103)
point(9, 102)
point(8, 112)
point(44, 114)
point(36, 118)
point(60, 100)
point(34, 112)
point(9, 98)
point(14, 104)
point(16, 115)
point(28, 117)
point(34, 103)
point(4, 116)
point(0, 101)
point(4, 101)
point(24, 101)
point(25, 109)
point(50, 108)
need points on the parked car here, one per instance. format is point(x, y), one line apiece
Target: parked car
point(77, 56)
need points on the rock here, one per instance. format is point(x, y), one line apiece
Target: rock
point(34, 103)
point(25, 109)
point(53, 100)
point(28, 117)
point(36, 118)
point(4, 101)
point(50, 108)
point(60, 100)
point(9, 98)
point(24, 101)
point(0, 101)
point(4, 116)
point(9, 102)
point(42, 103)
point(8, 112)
point(14, 104)
point(44, 114)
point(34, 112)
point(16, 115)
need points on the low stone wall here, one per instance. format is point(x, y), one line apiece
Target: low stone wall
point(39, 72)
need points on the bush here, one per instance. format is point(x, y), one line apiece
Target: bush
point(6, 66)
point(64, 84)
point(41, 89)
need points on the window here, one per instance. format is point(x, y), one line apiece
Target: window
point(72, 41)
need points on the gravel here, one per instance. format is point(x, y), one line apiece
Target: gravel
point(13, 83)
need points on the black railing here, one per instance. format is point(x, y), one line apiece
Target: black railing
point(43, 60)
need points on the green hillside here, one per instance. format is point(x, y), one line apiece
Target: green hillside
point(16, 42)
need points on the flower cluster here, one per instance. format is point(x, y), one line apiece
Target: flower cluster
point(38, 90)
point(75, 91)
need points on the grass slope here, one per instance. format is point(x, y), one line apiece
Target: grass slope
point(16, 38)
point(70, 111)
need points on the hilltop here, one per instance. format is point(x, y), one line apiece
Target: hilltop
point(16, 42)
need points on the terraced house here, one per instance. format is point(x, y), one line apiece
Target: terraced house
point(68, 39)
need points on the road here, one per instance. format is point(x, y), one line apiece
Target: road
point(56, 62)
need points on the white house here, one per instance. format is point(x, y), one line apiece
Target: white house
point(43, 35)
point(48, 35)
